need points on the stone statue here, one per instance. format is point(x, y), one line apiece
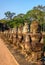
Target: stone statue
point(30, 42)
point(36, 44)
point(26, 40)
point(19, 40)
point(35, 27)
point(25, 28)
point(15, 31)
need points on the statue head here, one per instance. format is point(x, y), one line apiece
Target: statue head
point(35, 27)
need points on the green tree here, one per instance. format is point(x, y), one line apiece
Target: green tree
point(40, 7)
point(9, 15)
point(19, 19)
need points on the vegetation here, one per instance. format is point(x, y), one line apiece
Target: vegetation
point(9, 15)
point(37, 13)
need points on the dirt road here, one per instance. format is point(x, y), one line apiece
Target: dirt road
point(6, 57)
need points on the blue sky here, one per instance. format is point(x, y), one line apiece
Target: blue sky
point(18, 6)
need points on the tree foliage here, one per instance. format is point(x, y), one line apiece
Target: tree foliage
point(9, 15)
point(37, 13)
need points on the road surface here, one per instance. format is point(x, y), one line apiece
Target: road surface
point(6, 58)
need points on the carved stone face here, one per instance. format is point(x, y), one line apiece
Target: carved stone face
point(26, 28)
point(34, 27)
point(20, 30)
